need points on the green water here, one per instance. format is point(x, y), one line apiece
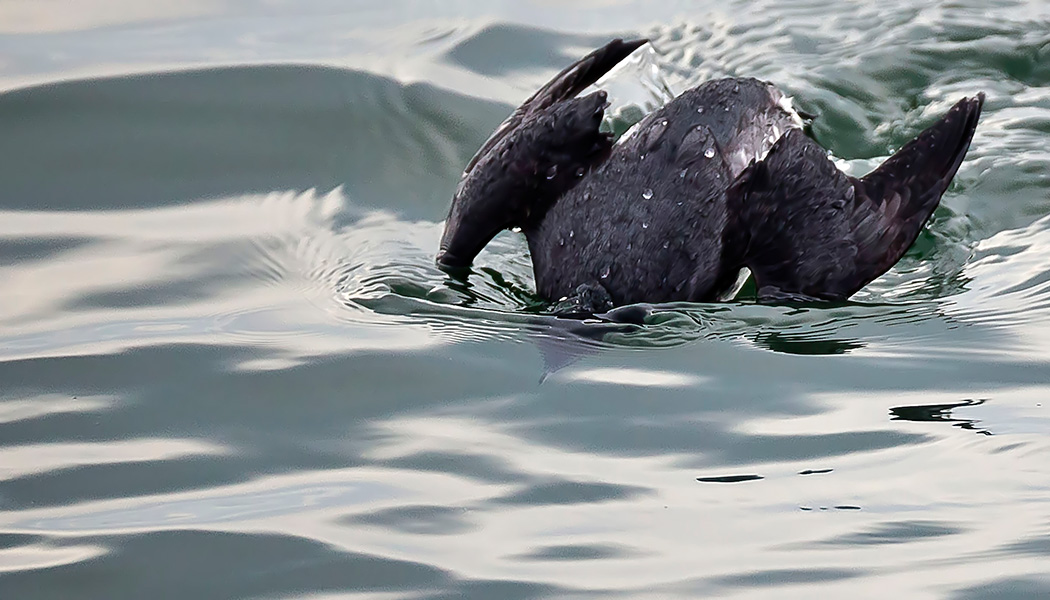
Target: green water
point(229, 368)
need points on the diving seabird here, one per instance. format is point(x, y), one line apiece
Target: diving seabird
point(720, 178)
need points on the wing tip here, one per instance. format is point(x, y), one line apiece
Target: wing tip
point(971, 108)
point(631, 45)
point(603, 59)
point(933, 156)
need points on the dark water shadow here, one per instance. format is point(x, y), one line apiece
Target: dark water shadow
point(227, 566)
point(164, 139)
point(579, 552)
point(571, 492)
point(940, 413)
point(777, 578)
point(22, 251)
point(1007, 588)
point(419, 520)
point(896, 532)
point(729, 478)
point(804, 345)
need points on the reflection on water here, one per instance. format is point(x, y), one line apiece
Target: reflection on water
point(800, 344)
point(230, 369)
point(940, 413)
point(729, 478)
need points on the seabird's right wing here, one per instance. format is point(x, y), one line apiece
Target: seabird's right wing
point(807, 231)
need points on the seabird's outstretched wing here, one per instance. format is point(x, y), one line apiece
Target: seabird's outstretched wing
point(565, 85)
point(538, 153)
point(808, 231)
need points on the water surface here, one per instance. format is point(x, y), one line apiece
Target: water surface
point(229, 368)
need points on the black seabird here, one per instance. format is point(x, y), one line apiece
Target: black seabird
point(720, 178)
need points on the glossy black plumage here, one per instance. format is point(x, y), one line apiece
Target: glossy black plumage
point(646, 224)
point(678, 207)
point(808, 231)
point(532, 157)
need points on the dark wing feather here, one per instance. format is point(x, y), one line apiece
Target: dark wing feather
point(565, 85)
point(808, 231)
point(896, 199)
point(792, 222)
point(515, 183)
point(533, 158)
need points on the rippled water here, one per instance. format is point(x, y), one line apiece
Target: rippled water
point(229, 368)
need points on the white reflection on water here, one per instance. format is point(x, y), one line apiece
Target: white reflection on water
point(1010, 288)
point(54, 16)
point(15, 410)
point(45, 556)
point(632, 376)
point(36, 459)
